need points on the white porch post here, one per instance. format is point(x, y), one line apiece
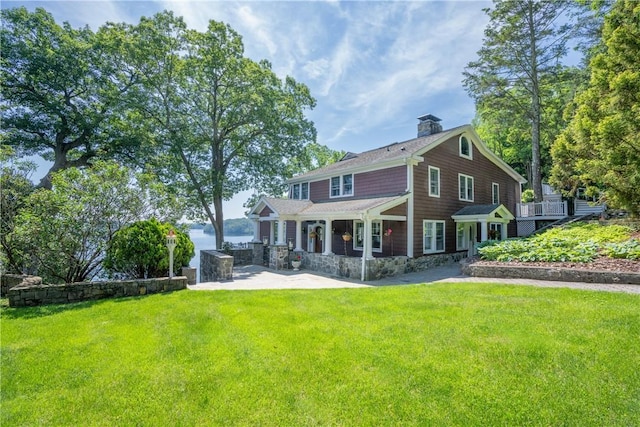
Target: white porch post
point(484, 232)
point(503, 234)
point(256, 229)
point(368, 244)
point(298, 236)
point(280, 240)
point(409, 222)
point(328, 237)
point(272, 232)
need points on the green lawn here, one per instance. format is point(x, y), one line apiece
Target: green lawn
point(445, 354)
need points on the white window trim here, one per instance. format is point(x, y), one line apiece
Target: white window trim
point(353, 186)
point(299, 184)
point(495, 226)
point(429, 181)
point(434, 237)
point(354, 240)
point(470, 156)
point(495, 193)
point(460, 175)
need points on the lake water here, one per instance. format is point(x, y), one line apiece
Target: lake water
point(208, 241)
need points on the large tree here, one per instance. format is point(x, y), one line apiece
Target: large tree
point(601, 146)
point(519, 66)
point(221, 123)
point(62, 90)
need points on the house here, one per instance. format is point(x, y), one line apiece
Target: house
point(398, 208)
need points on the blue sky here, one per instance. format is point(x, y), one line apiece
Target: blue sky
point(372, 66)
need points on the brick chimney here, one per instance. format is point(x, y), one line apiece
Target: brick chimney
point(428, 125)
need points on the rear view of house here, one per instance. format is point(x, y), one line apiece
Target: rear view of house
point(402, 207)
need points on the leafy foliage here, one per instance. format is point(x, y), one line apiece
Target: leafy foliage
point(139, 250)
point(575, 243)
point(62, 90)
point(518, 81)
point(601, 148)
point(15, 187)
point(625, 250)
point(66, 230)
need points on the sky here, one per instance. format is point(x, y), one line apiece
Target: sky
point(372, 66)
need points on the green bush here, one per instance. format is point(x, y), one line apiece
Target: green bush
point(139, 250)
point(625, 250)
point(575, 243)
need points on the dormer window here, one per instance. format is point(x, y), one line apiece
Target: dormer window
point(299, 191)
point(342, 185)
point(465, 148)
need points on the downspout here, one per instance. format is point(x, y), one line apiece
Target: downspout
point(410, 226)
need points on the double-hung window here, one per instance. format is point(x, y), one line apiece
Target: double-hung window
point(299, 191)
point(433, 236)
point(465, 187)
point(465, 148)
point(342, 185)
point(495, 193)
point(376, 236)
point(434, 181)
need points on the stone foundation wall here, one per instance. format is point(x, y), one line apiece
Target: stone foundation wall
point(190, 274)
point(215, 266)
point(377, 268)
point(32, 291)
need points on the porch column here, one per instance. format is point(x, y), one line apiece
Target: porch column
point(256, 229)
point(368, 243)
point(409, 222)
point(503, 234)
point(298, 236)
point(280, 239)
point(272, 232)
point(484, 232)
point(328, 237)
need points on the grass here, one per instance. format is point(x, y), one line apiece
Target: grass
point(444, 354)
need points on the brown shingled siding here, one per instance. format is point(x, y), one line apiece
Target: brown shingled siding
point(266, 211)
point(445, 156)
point(265, 229)
point(375, 183)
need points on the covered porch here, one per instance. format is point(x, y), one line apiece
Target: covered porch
point(479, 223)
point(343, 235)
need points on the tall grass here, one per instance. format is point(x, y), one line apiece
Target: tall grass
point(446, 354)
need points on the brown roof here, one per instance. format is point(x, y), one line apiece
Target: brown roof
point(395, 151)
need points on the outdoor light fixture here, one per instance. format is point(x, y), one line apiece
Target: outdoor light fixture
point(265, 240)
point(171, 245)
point(290, 244)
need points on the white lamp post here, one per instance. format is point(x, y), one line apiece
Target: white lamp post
point(171, 245)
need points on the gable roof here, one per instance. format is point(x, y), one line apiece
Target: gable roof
point(497, 213)
point(401, 153)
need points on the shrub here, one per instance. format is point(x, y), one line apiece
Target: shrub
point(139, 250)
point(625, 250)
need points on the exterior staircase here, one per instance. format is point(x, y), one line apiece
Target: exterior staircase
point(563, 222)
point(583, 207)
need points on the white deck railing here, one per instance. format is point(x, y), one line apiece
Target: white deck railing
point(546, 208)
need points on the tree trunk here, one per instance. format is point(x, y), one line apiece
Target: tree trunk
point(536, 169)
point(218, 224)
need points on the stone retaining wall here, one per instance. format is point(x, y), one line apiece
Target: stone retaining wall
point(32, 291)
point(8, 281)
point(242, 256)
point(552, 274)
point(215, 266)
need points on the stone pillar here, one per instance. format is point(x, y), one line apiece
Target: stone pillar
point(328, 238)
point(298, 247)
point(190, 274)
point(258, 252)
point(278, 255)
